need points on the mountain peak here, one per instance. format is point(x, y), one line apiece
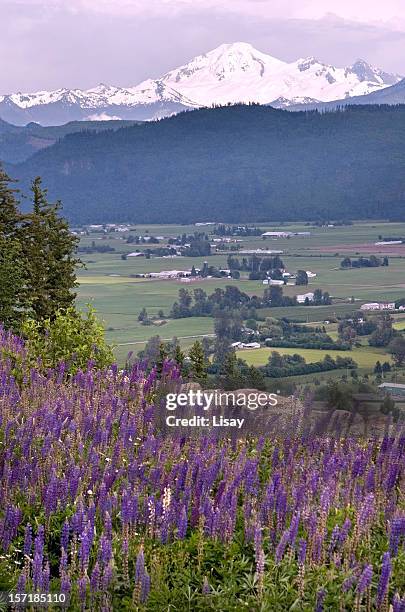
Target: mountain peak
point(305, 63)
point(232, 72)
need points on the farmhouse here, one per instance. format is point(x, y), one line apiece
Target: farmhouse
point(277, 234)
point(246, 345)
point(259, 252)
point(169, 274)
point(301, 299)
point(388, 242)
point(393, 389)
point(271, 281)
point(284, 234)
point(378, 306)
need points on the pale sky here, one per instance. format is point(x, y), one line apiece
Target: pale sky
point(80, 43)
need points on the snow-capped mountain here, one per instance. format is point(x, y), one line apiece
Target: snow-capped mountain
point(239, 73)
point(231, 73)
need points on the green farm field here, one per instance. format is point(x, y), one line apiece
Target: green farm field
point(365, 357)
point(108, 281)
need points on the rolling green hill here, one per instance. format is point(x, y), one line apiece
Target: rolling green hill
point(235, 164)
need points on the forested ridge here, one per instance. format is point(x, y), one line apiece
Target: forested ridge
point(232, 164)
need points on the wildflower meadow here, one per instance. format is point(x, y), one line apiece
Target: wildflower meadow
point(98, 505)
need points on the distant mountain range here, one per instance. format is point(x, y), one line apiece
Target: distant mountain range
point(231, 73)
point(389, 95)
point(231, 164)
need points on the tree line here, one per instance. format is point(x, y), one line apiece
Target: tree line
point(37, 256)
point(38, 262)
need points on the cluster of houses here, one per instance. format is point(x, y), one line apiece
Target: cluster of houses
point(186, 276)
point(165, 274)
point(286, 278)
point(246, 345)
point(108, 227)
point(380, 306)
point(284, 234)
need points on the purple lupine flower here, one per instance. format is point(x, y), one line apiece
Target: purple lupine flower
point(139, 567)
point(326, 499)
point(108, 525)
point(258, 537)
point(182, 524)
point(366, 512)
point(86, 541)
point(317, 550)
point(107, 577)
point(82, 588)
point(27, 540)
point(344, 531)
point(64, 538)
point(320, 599)
point(95, 578)
point(104, 550)
point(45, 578)
point(145, 587)
point(365, 579)
point(397, 531)
point(348, 583)
point(293, 530)
point(302, 551)
point(384, 579)
point(21, 583)
point(65, 584)
point(334, 538)
point(398, 604)
point(37, 571)
point(39, 542)
point(206, 589)
point(282, 545)
point(63, 562)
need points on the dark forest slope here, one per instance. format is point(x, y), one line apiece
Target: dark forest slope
point(241, 163)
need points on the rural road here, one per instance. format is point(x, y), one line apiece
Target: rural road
point(168, 339)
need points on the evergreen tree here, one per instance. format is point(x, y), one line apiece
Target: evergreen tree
point(143, 315)
point(230, 374)
point(301, 278)
point(198, 364)
point(178, 356)
point(386, 367)
point(12, 281)
point(397, 349)
point(12, 264)
point(10, 215)
point(163, 356)
point(255, 379)
point(49, 250)
point(387, 405)
point(378, 368)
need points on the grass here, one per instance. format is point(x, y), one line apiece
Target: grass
point(365, 357)
point(119, 299)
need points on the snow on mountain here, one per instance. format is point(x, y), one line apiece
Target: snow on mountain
point(231, 73)
point(239, 73)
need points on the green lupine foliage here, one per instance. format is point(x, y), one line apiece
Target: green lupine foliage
point(69, 336)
